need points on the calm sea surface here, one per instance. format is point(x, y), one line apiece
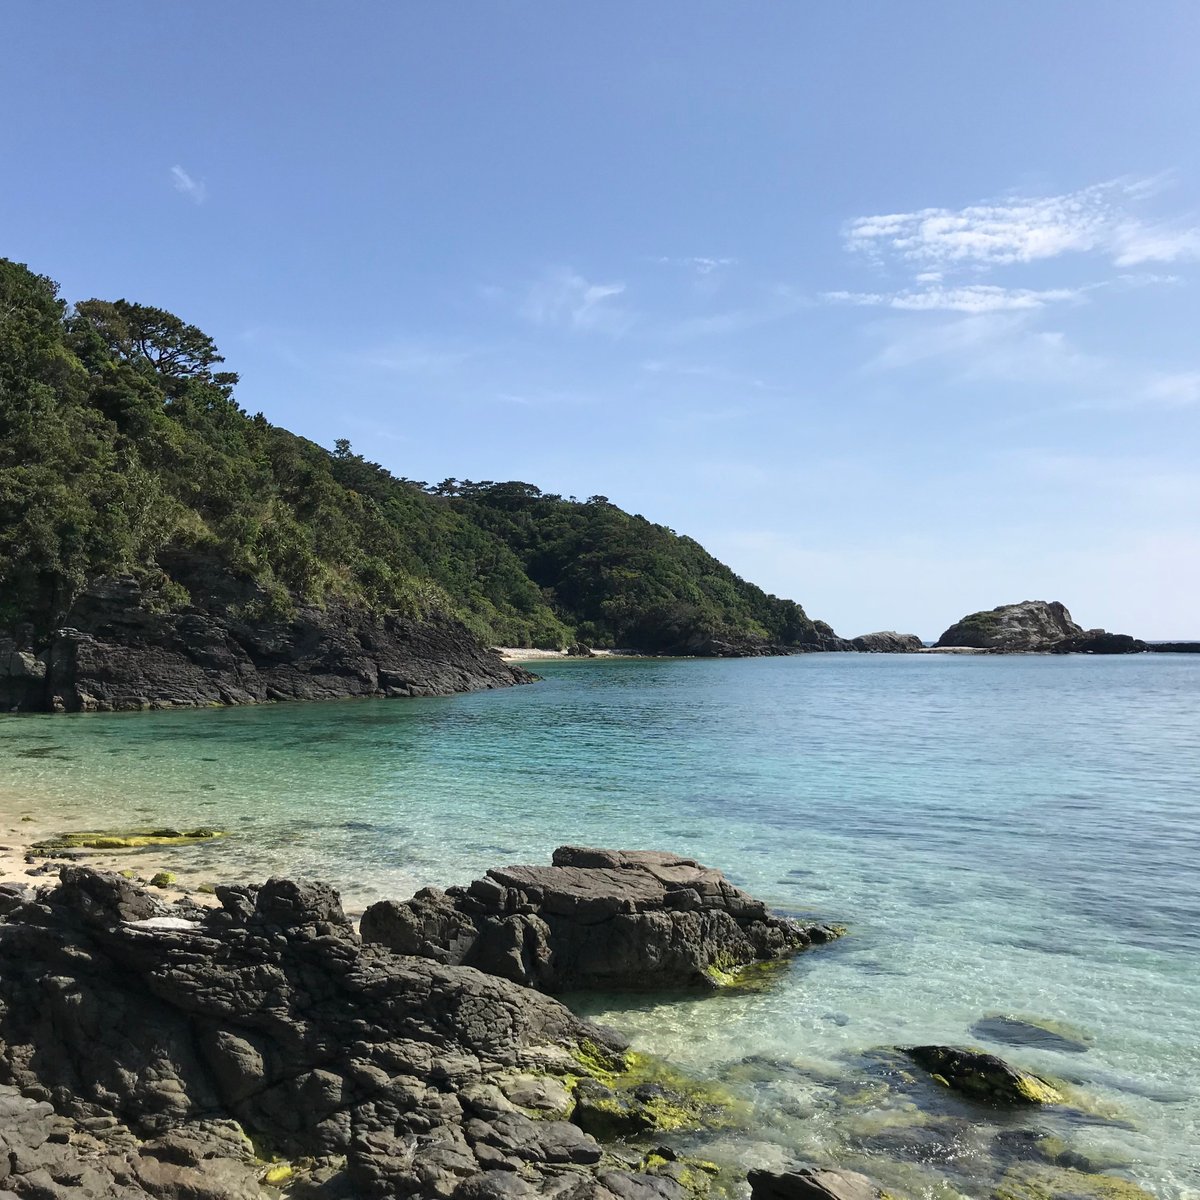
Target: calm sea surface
point(1017, 835)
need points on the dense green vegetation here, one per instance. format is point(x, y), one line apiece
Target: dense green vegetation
point(122, 449)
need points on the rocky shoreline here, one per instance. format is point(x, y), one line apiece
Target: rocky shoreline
point(263, 1046)
point(118, 652)
point(119, 649)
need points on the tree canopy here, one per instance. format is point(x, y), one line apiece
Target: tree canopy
point(123, 449)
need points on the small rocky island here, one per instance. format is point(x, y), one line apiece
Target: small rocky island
point(1034, 626)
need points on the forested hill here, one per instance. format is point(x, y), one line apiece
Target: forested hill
point(123, 453)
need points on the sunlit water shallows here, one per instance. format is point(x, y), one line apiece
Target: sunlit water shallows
point(1001, 834)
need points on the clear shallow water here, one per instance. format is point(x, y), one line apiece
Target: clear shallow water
point(1016, 834)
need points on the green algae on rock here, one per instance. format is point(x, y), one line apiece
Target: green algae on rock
point(983, 1076)
point(635, 1094)
point(127, 839)
point(1038, 1181)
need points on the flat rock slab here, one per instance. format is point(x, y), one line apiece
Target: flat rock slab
point(595, 919)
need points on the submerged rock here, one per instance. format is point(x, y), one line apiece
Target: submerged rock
point(124, 839)
point(983, 1076)
point(1043, 1182)
point(150, 1049)
point(603, 919)
point(1040, 1032)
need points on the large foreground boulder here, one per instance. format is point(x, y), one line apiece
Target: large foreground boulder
point(184, 1053)
point(598, 919)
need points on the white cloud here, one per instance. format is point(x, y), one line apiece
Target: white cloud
point(974, 298)
point(1026, 230)
point(564, 297)
point(1180, 389)
point(194, 189)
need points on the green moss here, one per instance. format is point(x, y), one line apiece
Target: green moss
point(278, 1174)
point(1043, 1182)
point(599, 1061)
point(698, 1176)
point(163, 879)
point(728, 974)
point(125, 840)
point(633, 1094)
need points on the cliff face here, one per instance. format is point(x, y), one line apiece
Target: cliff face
point(115, 652)
point(1030, 625)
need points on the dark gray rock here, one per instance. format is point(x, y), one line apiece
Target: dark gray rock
point(983, 1076)
point(888, 642)
point(142, 1056)
point(117, 650)
point(601, 919)
point(811, 1183)
point(1099, 641)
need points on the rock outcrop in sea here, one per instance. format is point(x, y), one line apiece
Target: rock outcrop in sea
point(1043, 626)
point(596, 919)
point(887, 642)
point(116, 651)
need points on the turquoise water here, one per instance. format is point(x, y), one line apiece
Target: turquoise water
point(1001, 834)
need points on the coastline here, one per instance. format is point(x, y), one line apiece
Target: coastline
point(518, 654)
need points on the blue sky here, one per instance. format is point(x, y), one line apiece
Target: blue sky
point(893, 307)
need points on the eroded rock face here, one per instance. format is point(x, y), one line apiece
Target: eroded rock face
point(601, 919)
point(115, 651)
point(888, 642)
point(144, 1054)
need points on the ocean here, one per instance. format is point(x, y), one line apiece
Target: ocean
point(1002, 835)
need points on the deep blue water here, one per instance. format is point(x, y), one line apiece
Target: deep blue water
point(1012, 833)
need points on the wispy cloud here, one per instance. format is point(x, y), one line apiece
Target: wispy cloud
point(187, 185)
point(563, 297)
point(1026, 230)
point(974, 298)
point(697, 263)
